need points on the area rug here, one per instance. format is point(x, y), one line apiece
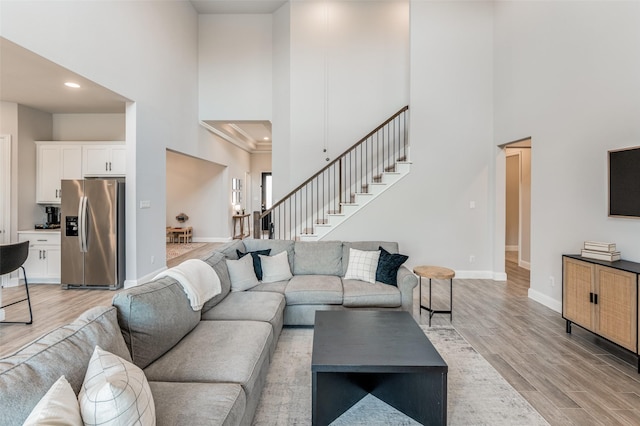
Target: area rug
point(477, 393)
point(178, 249)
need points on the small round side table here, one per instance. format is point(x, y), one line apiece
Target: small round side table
point(436, 273)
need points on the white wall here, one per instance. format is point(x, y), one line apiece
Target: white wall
point(9, 126)
point(237, 164)
point(89, 127)
point(33, 125)
point(25, 125)
point(451, 146)
point(194, 187)
point(568, 75)
point(348, 73)
point(235, 83)
point(235, 67)
point(281, 124)
point(146, 51)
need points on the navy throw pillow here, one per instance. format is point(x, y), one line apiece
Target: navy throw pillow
point(257, 265)
point(388, 265)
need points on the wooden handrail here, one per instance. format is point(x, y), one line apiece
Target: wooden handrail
point(338, 158)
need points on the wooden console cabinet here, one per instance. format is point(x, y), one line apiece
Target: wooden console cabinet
point(602, 297)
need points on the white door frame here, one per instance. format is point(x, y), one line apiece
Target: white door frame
point(521, 263)
point(5, 202)
point(5, 188)
point(519, 156)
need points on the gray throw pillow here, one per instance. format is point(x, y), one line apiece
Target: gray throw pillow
point(242, 274)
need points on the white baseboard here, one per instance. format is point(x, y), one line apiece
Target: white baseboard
point(545, 300)
point(525, 265)
point(15, 281)
point(143, 279)
point(471, 275)
point(499, 276)
point(481, 275)
point(510, 248)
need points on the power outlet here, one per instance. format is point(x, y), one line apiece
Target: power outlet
point(552, 281)
point(153, 260)
point(472, 258)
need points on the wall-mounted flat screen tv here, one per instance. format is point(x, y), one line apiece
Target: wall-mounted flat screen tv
point(624, 182)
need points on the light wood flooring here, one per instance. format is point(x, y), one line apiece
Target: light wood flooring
point(571, 379)
point(53, 307)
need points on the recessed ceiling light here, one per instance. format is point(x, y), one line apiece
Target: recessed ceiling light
point(71, 84)
point(266, 138)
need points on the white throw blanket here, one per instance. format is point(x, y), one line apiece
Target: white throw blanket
point(199, 281)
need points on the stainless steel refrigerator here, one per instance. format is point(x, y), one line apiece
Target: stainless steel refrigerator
point(92, 234)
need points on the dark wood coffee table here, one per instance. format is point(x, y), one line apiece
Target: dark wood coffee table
point(384, 353)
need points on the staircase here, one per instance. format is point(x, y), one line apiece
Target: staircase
point(351, 181)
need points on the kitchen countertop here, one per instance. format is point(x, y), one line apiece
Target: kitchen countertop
point(51, 231)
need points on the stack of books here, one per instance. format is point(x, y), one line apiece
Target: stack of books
point(600, 251)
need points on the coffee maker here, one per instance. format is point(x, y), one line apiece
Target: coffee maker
point(53, 216)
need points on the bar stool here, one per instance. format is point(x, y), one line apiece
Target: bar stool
point(436, 273)
point(12, 257)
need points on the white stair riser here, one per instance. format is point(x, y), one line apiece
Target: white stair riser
point(361, 200)
point(389, 179)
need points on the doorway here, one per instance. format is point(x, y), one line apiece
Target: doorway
point(267, 191)
point(266, 199)
point(518, 203)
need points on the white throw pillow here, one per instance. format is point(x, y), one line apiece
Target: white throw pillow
point(115, 392)
point(362, 265)
point(58, 407)
point(275, 268)
point(242, 274)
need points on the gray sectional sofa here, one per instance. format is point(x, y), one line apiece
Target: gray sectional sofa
point(203, 367)
point(317, 283)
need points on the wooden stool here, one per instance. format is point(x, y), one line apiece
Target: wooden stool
point(238, 220)
point(436, 273)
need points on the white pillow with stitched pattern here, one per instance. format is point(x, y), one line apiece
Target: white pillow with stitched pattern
point(362, 265)
point(115, 392)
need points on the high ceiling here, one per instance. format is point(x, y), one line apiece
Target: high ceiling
point(31, 80)
point(237, 6)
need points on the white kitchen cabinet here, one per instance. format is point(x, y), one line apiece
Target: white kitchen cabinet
point(56, 161)
point(43, 263)
point(104, 159)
